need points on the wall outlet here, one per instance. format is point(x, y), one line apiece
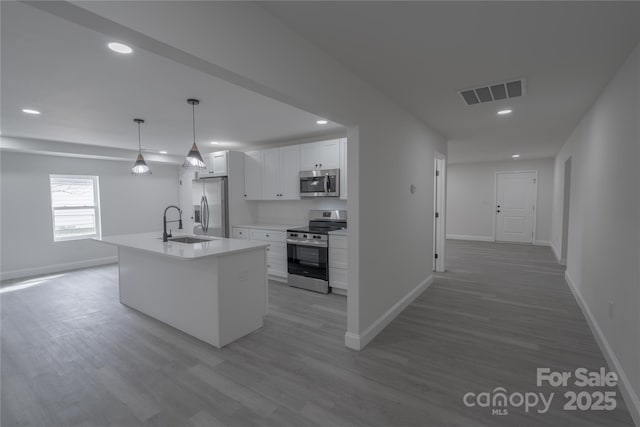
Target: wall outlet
point(610, 310)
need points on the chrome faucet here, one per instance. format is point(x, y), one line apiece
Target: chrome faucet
point(165, 236)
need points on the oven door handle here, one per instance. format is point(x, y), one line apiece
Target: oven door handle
point(320, 244)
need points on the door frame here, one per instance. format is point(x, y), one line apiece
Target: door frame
point(495, 203)
point(439, 202)
point(566, 210)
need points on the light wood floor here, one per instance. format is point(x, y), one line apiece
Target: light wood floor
point(73, 355)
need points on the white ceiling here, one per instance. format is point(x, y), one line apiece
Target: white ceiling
point(90, 95)
point(421, 53)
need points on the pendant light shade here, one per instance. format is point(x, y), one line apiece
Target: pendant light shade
point(140, 166)
point(194, 159)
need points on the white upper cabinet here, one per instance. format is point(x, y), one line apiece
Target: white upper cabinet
point(320, 155)
point(290, 168)
point(253, 175)
point(280, 167)
point(219, 162)
point(343, 168)
point(308, 157)
point(271, 176)
point(216, 165)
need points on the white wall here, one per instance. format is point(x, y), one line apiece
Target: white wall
point(604, 219)
point(390, 229)
point(294, 212)
point(471, 198)
point(129, 204)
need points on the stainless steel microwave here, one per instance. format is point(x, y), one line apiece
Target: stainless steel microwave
point(320, 183)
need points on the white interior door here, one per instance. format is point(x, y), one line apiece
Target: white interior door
point(516, 206)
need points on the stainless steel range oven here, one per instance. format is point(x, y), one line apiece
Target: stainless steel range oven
point(307, 261)
point(308, 250)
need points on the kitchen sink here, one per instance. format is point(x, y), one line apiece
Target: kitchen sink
point(189, 240)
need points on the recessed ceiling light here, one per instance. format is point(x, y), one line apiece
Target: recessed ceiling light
point(120, 48)
point(163, 152)
point(30, 111)
point(503, 112)
point(215, 143)
point(515, 156)
point(322, 122)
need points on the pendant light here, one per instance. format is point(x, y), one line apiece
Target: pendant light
point(140, 166)
point(194, 159)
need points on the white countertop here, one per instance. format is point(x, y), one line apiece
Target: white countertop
point(152, 242)
point(341, 232)
point(272, 227)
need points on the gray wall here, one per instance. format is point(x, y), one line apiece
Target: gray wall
point(129, 204)
point(294, 212)
point(471, 198)
point(604, 217)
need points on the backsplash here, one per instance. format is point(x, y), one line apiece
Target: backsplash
point(294, 212)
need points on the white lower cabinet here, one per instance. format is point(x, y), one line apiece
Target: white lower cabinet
point(338, 265)
point(276, 252)
point(240, 233)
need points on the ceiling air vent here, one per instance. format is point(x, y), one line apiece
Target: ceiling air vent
point(494, 92)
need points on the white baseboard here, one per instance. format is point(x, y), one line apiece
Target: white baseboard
point(277, 278)
point(466, 237)
point(543, 243)
point(628, 393)
point(556, 252)
point(56, 268)
point(358, 342)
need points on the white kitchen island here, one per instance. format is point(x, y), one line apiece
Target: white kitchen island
point(216, 290)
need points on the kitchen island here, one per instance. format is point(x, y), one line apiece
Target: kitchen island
point(215, 290)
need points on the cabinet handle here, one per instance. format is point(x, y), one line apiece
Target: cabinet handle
point(267, 235)
point(245, 195)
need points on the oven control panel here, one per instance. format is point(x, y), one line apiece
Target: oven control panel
point(308, 239)
point(308, 236)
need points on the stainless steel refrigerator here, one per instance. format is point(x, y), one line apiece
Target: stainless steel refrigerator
point(211, 206)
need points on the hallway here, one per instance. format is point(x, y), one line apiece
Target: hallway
point(73, 355)
point(500, 312)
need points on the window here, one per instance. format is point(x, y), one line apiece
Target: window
point(75, 205)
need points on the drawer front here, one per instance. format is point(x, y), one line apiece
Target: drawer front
point(277, 268)
point(337, 258)
point(277, 250)
point(338, 278)
point(276, 260)
point(240, 233)
point(337, 242)
point(268, 235)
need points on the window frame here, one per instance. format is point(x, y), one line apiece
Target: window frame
point(96, 208)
